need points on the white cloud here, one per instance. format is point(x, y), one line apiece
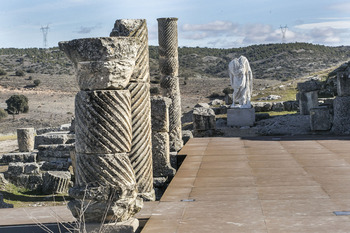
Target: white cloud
point(327, 24)
point(212, 26)
point(225, 34)
point(229, 34)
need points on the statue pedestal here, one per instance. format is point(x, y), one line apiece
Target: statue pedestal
point(240, 116)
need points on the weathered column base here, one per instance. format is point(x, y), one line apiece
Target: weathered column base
point(129, 226)
point(91, 211)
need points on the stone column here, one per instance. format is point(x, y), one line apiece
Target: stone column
point(160, 137)
point(25, 139)
point(105, 188)
point(141, 145)
point(169, 69)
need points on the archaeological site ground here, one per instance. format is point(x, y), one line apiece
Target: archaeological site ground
point(120, 136)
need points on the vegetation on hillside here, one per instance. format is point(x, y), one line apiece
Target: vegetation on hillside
point(270, 61)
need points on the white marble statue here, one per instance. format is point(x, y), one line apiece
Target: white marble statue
point(241, 79)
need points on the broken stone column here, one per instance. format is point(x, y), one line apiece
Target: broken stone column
point(25, 138)
point(204, 122)
point(55, 182)
point(169, 69)
point(160, 137)
point(308, 96)
point(105, 186)
point(139, 87)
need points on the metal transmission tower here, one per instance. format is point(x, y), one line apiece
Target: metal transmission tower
point(284, 30)
point(45, 30)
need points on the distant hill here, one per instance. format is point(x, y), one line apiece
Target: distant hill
point(271, 61)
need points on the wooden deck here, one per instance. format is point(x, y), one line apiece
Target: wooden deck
point(257, 185)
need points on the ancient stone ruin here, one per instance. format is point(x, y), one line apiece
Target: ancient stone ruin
point(45, 169)
point(341, 104)
point(169, 69)
point(141, 144)
point(105, 179)
point(308, 96)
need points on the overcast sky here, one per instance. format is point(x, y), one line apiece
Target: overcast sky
point(214, 23)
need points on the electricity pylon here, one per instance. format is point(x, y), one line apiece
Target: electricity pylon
point(45, 30)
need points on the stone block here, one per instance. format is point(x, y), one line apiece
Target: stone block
point(291, 105)
point(262, 106)
point(343, 84)
point(307, 100)
point(102, 63)
point(277, 107)
point(55, 152)
point(103, 121)
point(240, 117)
point(25, 138)
point(311, 85)
point(160, 113)
point(32, 168)
point(15, 169)
point(32, 182)
point(160, 155)
point(53, 138)
point(203, 119)
point(220, 110)
point(58, 165)
point(320, 119)
point(55, 182)
point(341, 119)
point(25, 157)
point(186, 135)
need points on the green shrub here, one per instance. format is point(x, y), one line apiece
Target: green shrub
point(19, 73)
point(36, 82)
point(3, 113)
point(2, 72)
point(228, 90)
point(17, 104)
point(30, 78)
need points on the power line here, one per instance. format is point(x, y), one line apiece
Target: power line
point(45, 30)
point(284, 30)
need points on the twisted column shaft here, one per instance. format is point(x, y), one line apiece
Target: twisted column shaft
point(169, 66)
